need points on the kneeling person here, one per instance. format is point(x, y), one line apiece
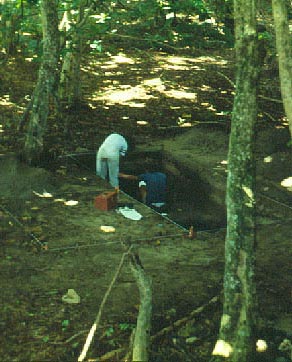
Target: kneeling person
point(152, 188)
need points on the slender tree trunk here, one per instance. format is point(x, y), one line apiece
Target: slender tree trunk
point(284, 49)
point(66, 71)
point(8, 27)
point(236, 337)
point(70, 82)
point(46, 84)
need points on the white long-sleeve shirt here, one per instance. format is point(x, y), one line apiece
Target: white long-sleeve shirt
point(108, 155)
point(113, 146)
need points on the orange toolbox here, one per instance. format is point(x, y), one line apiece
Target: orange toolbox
point(106, 201)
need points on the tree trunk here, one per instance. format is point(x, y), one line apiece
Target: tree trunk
point(236, 337)
point(66, 71)
point(8, 27)
point(70, 82)
point(283, 44)
point(70, 86)
point(46, 84)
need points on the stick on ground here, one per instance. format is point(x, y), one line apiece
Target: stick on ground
point(98, 316)
point(142, 333)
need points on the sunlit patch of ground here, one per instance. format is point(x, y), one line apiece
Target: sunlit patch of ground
point(175, 60)
point(132, 81)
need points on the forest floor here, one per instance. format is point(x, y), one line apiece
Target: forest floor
point(177, 108)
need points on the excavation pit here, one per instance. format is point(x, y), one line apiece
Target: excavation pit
point(190, 199)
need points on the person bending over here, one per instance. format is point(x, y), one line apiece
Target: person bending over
point(152, 187)
point(108, 158)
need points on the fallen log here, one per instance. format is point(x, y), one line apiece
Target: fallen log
point(141, 341)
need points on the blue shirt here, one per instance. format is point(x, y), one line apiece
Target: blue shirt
point(155, 186)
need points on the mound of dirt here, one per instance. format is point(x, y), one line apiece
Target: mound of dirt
point(18, 181)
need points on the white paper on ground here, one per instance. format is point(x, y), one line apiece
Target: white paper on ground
point(130, 213)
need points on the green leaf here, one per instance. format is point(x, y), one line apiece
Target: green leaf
point(46, 339)
point(52, 292)
point(65, 323)
point(109, 331)
point(126, 326)
point(96, 45)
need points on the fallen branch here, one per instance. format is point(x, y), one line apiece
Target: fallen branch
point(117, 353)
point(109, 356)
point(270, 116)
point(143, 327)
point(228, 79)
point(259, 96)
point(270, 99)
point(98, 317)
point(140, 337)
point(69, 339)
point(162, 332)
point(184, 320)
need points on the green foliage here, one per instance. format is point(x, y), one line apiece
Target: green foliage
point(152, 22)
point(199, 35)
point(126, 326)
point(147, 9)
point(109, 332)
point(65, 323)
point(221, 9)
point(32, 2)
point(191, 7)
point(20, 26)
point(265, 36)
point(166, 22)
point(96, 46)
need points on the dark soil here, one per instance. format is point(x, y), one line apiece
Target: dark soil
point(177, 111)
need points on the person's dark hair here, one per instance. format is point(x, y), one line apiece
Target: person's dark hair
point(150, 165)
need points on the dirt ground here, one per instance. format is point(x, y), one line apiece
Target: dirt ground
point(181, 107)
